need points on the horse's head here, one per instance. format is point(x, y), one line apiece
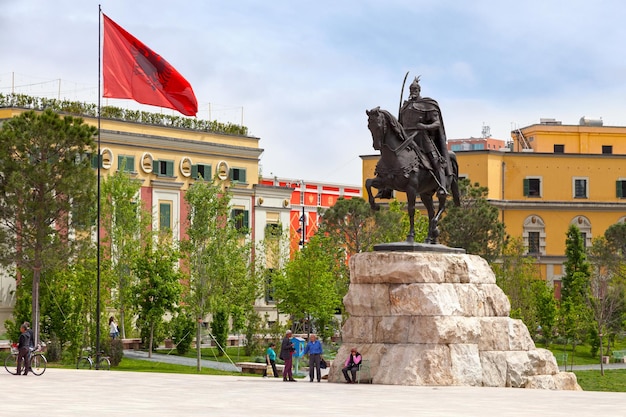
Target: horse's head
point(376, 125)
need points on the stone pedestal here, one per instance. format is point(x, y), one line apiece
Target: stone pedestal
point(424, 318)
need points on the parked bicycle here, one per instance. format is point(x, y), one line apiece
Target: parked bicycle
point(87, 362)
point(35, 358)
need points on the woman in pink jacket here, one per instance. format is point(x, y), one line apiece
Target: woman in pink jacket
point(352, 365)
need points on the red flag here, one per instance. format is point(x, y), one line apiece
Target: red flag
point(132, 70)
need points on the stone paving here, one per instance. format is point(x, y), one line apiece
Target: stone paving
point(64, 392)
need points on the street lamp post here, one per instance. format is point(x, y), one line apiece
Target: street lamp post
point(303, 228)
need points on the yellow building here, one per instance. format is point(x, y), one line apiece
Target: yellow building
point(554, 175)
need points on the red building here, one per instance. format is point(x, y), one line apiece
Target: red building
point(476, 144)
point(306, 198)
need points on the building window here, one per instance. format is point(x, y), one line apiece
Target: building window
point(126, 163)
point(269, 286)
point(240, 218)
point(238, 174)
point(273, 230)
point(201, 171)
point(534, 235)
point(559, 148)
point(532, 187)
point(580, 188)
point(533, 242)
point(95, 159)
point(620, 188)
point(163, 168)
point(584, 225)
point(165, 216)
point(456, 148)
point(607, 149)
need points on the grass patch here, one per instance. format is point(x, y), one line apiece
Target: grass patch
point(138, 365)
point(211, 354)
point(612, 381)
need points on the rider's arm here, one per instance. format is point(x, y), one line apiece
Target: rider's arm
point(433, 121)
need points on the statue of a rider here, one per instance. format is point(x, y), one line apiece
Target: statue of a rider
point(422, 122)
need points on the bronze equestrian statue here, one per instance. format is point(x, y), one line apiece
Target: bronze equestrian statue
point(413, 158)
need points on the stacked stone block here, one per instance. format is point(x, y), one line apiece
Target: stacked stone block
point(427, 318)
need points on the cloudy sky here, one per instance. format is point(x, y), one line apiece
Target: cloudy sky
point(301, 74)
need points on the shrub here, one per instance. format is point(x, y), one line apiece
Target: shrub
point(183, 328)
point(116, 351)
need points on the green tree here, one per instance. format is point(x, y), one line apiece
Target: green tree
point(308, 290)
point(356, 227)
point(546, 309)
point(606, 291)
point(532, 300)
point(474, 225)
point(66, 305)
point(271, 256)
point(615, 236)
point(218, 255)
point(393, 224)
point(158, 286)
point(183, 328)
point(124, 222)
point(574, 314)
point(46, 191)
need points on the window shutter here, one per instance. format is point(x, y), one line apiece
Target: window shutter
point(242, 176)
point(165, 215)
point(194, 172)
point(95, 159)
point(245, 219)
point(526, 187)
point(169, 168)
point(618, 189)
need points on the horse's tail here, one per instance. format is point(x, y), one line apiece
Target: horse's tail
point(454, 186)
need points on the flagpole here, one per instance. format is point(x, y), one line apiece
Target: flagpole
point(98, 193)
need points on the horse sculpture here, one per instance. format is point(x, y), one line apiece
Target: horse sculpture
point(400, 168)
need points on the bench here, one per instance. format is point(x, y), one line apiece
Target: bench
point(257, 368)
point(619, 355)
point(134, 344)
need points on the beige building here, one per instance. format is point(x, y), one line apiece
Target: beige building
point(167, 160)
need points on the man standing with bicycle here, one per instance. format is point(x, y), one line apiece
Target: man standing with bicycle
point(23, 347)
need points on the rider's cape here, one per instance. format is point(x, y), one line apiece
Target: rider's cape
point(439, 135)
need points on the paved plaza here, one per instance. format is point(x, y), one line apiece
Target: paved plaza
point(63, 392)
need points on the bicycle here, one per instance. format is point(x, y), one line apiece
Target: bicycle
point(35, 358)
point(87, 362)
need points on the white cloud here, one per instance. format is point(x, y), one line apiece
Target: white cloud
point(302, 74)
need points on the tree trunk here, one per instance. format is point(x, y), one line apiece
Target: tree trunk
point(601, 356)
point(36, 281)
point(198, 351)
point(150, 340)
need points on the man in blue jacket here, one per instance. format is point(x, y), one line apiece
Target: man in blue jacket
point(314, 349)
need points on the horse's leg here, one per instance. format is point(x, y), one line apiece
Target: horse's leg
point(427, 200)
point(369, 183)
point(410, 198)
point(434, 223)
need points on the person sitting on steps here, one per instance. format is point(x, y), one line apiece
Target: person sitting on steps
point(352, 365)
